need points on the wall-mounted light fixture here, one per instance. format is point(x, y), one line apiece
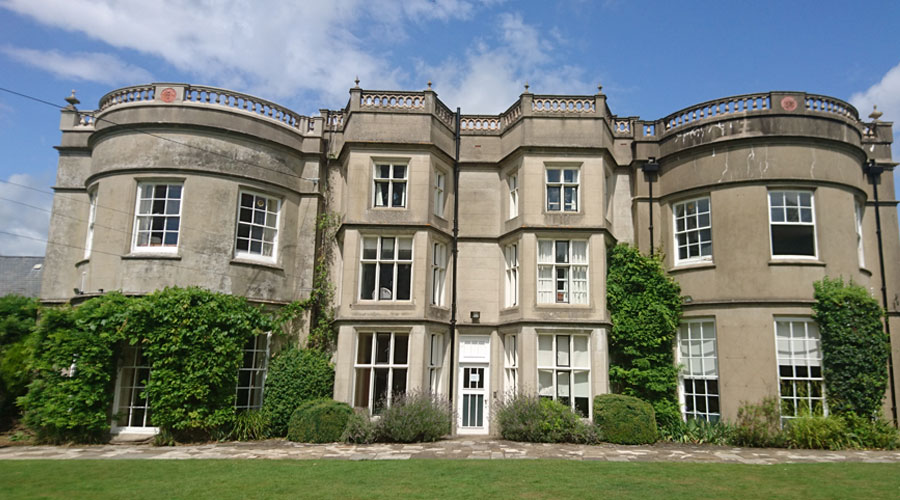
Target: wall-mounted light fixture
point(475, 316)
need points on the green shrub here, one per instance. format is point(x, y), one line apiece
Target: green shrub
point(74, 367)
point(869, 433)
point(295, 376)
point(414, 418)
point(854, 346)
point(250, 425)
point(758, 425)
point(645, 307)
point(817, 433)
point(360, 428)
point(533, 419)
point(696, 431)
point(319, 421)
point(18, 318)
point(624, 419)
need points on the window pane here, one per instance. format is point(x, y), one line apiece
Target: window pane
point(367, 282)
point(545, 350)
point(570, 175)
point(562, 252)
point(403, 281)
point(562, 350)
point(580, 353)
point(387, 248)
point(545, 383)
point(404, 251)
point(401, 347)
point(382, 348)
point(793, 240)
point(552, 175)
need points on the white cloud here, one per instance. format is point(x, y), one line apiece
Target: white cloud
point(488, 78)
point(87, 66)
point(269, 47)
point(19, 219)
point(885, 94)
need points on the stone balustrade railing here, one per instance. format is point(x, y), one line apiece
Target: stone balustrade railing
point(720, 107)
point(563, 104)
point(334, 120)
point(486, 123)
point(395, 100)
point(127, 95)
point(444, 114)
point(827, 104)
point(247, 103)
point(512, 114)
point(622, 127)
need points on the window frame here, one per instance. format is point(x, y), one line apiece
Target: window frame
point(569, 266)
point(799, 208)
point(373, 364)
point(435, 363)
point(512, 183)
point(92, 220)
point(698, 229)
point(563, 185)
point(133, 362)
point(795, 398)
point(378, 261)
point(254, 369)
point(390, 181)
point(438, 274)
point(156, 249)
point(860, 244)
point(246, 254)
point(687, 365)
point(510, 365)
point(439, 190)
point(555, 368)
point(511, 274)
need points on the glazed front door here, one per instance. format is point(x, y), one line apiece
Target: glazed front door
point(474, 407)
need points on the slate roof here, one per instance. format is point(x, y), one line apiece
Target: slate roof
point(21, 275)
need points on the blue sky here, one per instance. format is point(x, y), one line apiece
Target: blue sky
point(652, 58)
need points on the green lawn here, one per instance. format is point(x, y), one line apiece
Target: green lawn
point(481, 480)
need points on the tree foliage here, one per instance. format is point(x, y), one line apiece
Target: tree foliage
point(295, 376)
point(645, 307)
point(18, 316)
point(854, 346)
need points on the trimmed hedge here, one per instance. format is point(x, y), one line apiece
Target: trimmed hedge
point(533, 419)
point(624, 419)
point(295, 376)
point(319, 421)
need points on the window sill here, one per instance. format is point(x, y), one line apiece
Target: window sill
point(151, 256)
point(374, 305)
point(255, 263)
point(563, 212)
point(554, 305)
point(794, 261)
point(692, 266)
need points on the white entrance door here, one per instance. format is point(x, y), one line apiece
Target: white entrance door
point(474, 410)
point(473, 404)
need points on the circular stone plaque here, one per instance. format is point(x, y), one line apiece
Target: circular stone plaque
point(788, 103)
point(168, 94)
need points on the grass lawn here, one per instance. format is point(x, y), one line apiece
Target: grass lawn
point(198, 479)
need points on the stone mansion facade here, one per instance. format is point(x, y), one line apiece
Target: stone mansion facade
point(749, 198)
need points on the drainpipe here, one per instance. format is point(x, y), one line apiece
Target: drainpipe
point(650, 169)
point(874, 171)
point(455, 251)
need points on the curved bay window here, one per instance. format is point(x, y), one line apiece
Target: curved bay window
point(381, 368)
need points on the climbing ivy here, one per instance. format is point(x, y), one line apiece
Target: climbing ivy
point(854, 346)
point(322, 333)
point(645, 307)
point(18, 316)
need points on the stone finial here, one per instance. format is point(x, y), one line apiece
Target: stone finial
point(72, 100)
point(526, 86)
point(599, 88)
point(429, 84)
point(357, 82)
point(875, 114)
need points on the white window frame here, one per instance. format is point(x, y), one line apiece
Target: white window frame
point(92, 219)
point(380, 293)
point(513, 183)
point(130, 365)
point(559, 365)
point(699, 366)
point(566, 294)
point(785, 210)
point(799, 361)
point(438, 274)
point(436, 363)
point(690, 232)
point(373, 365)
point(440, 182)
point(136, 247)
point(510, 365)
point(258, 371)
point(860, 246)
point(275, 229)
point(511, 261)
point(391, 183)
point(564, 186)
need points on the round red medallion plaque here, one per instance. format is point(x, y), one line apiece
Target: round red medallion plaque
point(788, 103)
point(167, 95)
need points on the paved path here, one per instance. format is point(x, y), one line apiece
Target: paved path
point(453, 449)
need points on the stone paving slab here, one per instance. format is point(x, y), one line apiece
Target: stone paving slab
point(486, 449)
